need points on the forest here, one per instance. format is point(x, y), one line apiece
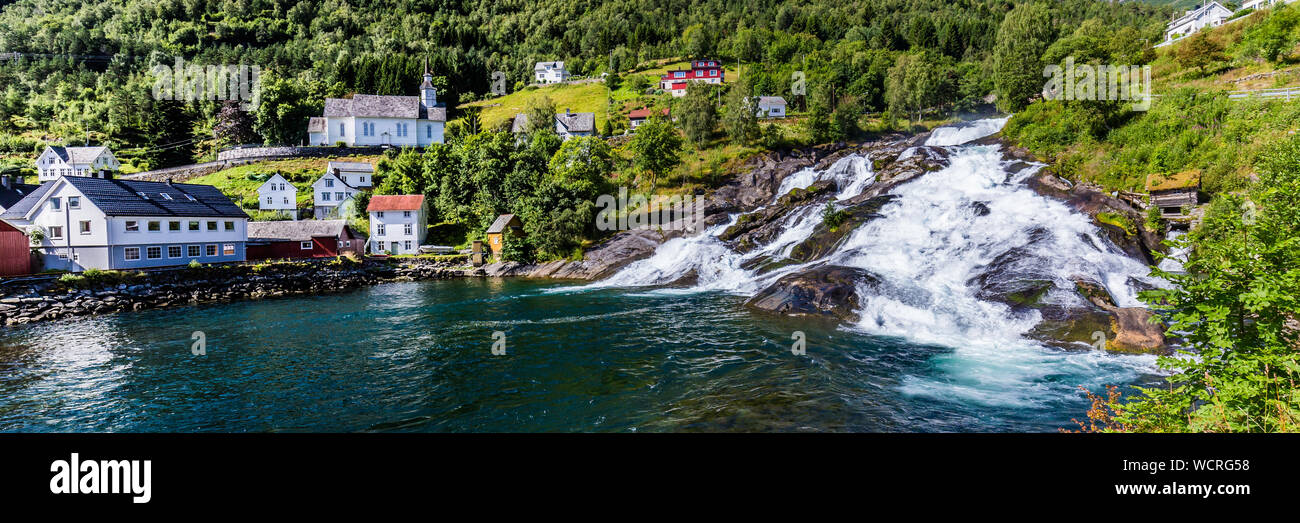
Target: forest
point(81, 71)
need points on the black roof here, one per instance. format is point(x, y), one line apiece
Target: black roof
point(141, 198)
point(20, 208)
point(15, 192)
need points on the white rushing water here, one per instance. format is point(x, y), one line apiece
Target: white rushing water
point(943, 231)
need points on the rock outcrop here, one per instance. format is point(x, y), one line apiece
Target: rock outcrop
point(828, 290)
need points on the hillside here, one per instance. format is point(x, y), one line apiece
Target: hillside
point(1193, 123)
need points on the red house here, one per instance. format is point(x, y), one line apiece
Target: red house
point(302, 239)
point(676, 80)
point(639, 116)
point(15, 251)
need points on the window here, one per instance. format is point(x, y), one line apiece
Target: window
point(56, 233)
point(173, 251)
point(74, 202)
point(143, 195)
point(154, 253)
point(381, 246)
point(406, 214)
point(174, 226)
point(212, 226)
point(63, 255)
point(324, 197)
point(131, 253)
point(428, 131)
point(338, 196)
point(56, 204)
point(230, 226)
point(347, 243)
point(228, 249)
point(363, 179)
point(155, 226)
point(190, 198)
point(408, 245)
point(210, 250)
point(379, 230)
point(379, 214)
point(194, 226)
point(342, 130)
point(329, 182)
point(193, 251)
point(306, 246)
point(269, 200)
point(84, 226)
point(165, 196)
point(132, 226)
point(286, 200)
point(407, 229)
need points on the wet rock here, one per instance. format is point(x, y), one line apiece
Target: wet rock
point(828, 290)
point(825, 239)
point(1135, 332)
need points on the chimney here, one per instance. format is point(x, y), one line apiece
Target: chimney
point(566, 111)
point(106, 174)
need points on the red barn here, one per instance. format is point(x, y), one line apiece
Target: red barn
point(676, 80)
point(302, 239)
point(15, 251)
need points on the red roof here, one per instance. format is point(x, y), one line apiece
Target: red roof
point(645, 113)
point(400, 202)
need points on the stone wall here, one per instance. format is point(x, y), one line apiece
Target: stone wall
point(286, 151)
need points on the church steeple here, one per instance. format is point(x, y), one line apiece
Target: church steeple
point(428, 94)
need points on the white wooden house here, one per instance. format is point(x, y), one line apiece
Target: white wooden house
point(567, 124)
point(398, 223)
point(357, 174)
point(771, 107)
point(370, 120)
point(102, 223)
point(277, 194)
point(550, 72)
point(1212, 14)
point(329, 194)
point(58, 161)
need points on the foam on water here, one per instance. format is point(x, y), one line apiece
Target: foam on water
point(960, 134)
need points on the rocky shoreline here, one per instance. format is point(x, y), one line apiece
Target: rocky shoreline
point(36, 300)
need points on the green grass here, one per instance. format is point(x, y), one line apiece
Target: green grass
point(579, 98)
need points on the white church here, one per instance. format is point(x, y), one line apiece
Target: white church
point(369, 119)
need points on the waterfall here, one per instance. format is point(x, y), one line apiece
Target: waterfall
point(930, 244)
point(944, 229)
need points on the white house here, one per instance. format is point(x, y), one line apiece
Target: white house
point(1263, 4)
point(550, 72)
point(329, 193)
point(398, 223)
point(369, 120)
point(58, 161)
point(357, 174)
point(567, 124)
point(126, 224)
point(1209, 15)
point(277, 194)
point(771, 107)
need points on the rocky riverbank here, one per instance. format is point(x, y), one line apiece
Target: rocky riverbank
point(43, 299)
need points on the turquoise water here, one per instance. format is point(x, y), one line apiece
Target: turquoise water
point(417, 357)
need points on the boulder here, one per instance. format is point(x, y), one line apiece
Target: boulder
point(829, 290)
